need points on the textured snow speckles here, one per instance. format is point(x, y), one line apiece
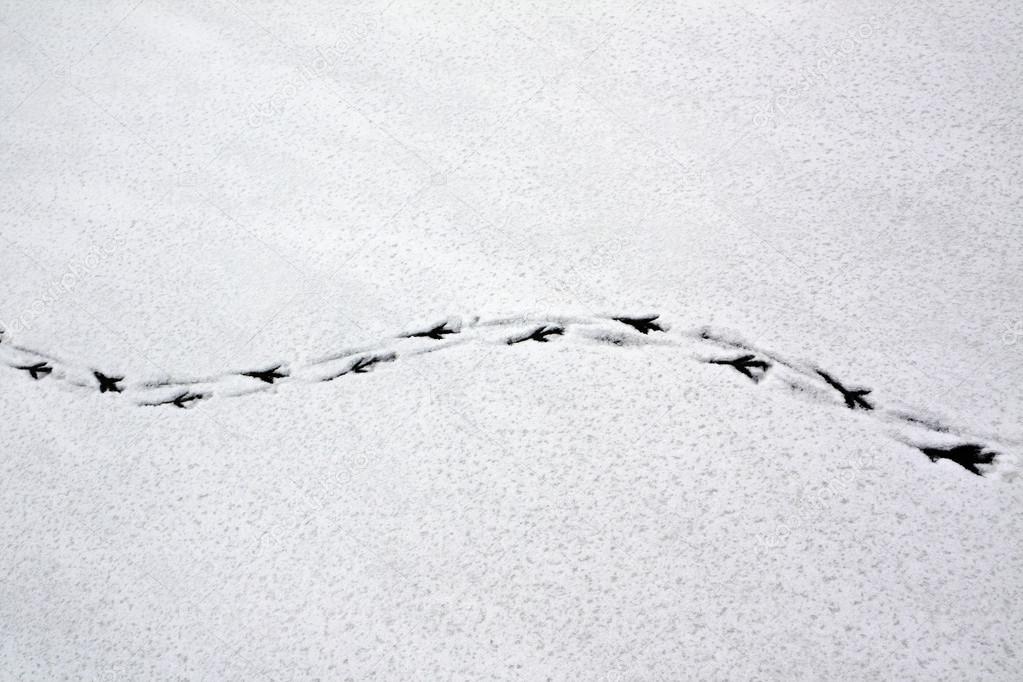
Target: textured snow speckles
point(287, 201)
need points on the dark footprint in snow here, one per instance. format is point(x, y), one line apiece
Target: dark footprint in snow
point(853, 396)
point(184, 399)
point(747, 365)
point(643, 325)
point(540, 334)
point(267, 376)
point(967, 456)
point(37, 371)
point(437, 333)
point(107, 384)
point(365, 364)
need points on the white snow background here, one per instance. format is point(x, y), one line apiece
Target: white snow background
point(191, 189)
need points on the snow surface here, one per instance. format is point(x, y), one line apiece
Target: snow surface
point(192, 190)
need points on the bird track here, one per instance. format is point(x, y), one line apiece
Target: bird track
point(977, 453)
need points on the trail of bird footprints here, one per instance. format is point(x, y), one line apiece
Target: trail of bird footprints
point(980, 455)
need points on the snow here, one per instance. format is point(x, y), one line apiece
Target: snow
point(195, 190)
